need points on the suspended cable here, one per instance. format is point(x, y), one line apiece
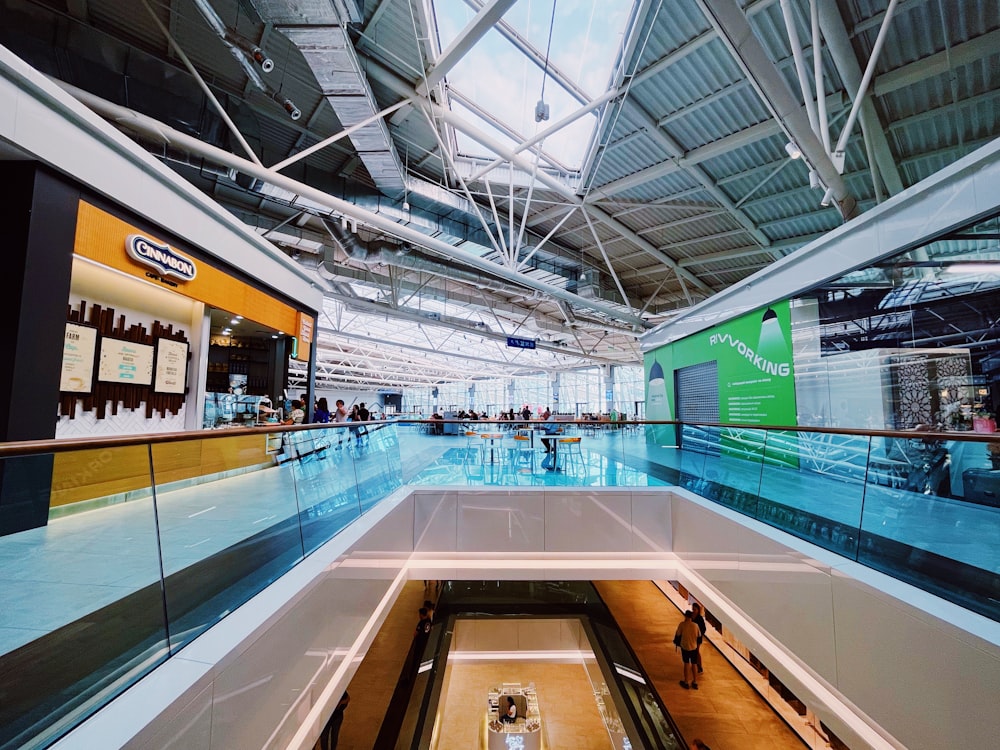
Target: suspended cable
point(542, 109)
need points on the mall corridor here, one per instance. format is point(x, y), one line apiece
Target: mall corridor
point(727, 713)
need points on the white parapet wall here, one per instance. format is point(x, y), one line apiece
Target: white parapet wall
point(881, 663)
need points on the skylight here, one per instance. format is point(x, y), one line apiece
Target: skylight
point(502, 81)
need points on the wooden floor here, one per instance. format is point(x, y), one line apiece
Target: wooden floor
point(726, 712)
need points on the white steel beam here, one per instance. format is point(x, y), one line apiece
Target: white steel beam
point(138, 123)
point(488, 15)
point(732, 25)
point(403, 88)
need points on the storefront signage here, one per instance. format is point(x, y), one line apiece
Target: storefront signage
point(163, 258)
point(125, 362)
point(305, 328)
point(79, 347)
point(520, 343)
point(171, 366)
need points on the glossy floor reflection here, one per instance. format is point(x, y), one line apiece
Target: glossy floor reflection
point(727, 712)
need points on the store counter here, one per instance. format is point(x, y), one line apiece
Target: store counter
point(526, 731)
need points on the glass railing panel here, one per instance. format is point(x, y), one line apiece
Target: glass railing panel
point(932, 518)
point(228, 520)
point(325, 484)
point(731, 459)
point(515, 454)
point(813, 485)
point(81, 608)
point(377, 463)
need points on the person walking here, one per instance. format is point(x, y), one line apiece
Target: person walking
point(686, 637)
point(421, 634)
point(331, 732)
point(699, 620)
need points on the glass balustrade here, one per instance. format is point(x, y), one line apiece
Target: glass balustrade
point(149, 544)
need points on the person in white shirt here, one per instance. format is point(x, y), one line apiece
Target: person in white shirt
point(340, 413)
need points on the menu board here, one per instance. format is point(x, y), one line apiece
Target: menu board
point(79, 346)
point(125, 362)
point(171, 366)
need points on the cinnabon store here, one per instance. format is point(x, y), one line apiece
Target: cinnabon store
point(116, 324)
point(159, 338)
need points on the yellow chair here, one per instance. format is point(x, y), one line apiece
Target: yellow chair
point(569, 453)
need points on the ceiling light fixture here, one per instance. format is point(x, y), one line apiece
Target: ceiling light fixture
point(794, 152)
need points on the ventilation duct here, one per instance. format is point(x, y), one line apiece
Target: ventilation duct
point(318, 30)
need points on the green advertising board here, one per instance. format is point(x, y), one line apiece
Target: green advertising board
point(753, 355)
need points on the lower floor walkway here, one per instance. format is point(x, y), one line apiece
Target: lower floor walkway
point(726, 713)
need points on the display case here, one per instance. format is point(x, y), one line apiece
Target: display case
point(525, 731)
point(230, 410)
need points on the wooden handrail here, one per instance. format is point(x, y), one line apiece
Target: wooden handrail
point(62, 445)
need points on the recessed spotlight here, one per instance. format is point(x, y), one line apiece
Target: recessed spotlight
point(239, 317)
point(234, 322)
point(274, 335)
point(281, 333)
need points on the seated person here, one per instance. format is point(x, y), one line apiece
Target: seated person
point(297, 415)
point(550, 432)
point(510, 712)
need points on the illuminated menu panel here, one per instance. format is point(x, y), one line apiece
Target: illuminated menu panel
point(125, 362)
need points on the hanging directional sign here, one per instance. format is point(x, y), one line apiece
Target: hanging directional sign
point(520, 343)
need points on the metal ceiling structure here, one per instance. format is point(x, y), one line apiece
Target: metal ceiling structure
point(334, 128)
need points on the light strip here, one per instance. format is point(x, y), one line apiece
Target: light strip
point(550, 655)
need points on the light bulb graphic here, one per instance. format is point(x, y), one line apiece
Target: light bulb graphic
point(772, 345)
point(658, 405)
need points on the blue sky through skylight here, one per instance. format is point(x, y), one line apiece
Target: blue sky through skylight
point(586, 37)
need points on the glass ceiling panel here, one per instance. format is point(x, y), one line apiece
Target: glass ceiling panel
point(503, 81)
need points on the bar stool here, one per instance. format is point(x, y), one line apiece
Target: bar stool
point(521, 451)
point(493, 444)
point(569, 453)
point(472, 444)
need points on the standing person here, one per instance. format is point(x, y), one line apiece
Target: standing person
point(340, 413)
point(322, 413)
point(363, 414)
point(429, 606)
point(421, 634)
point(686, 637)
point(526, 413)
point(699, 620)
point(546, 414)
point(510, 711)
point(331, 732)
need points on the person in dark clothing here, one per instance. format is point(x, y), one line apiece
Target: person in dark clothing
point(699, 620)
point(328, 739)
point(421, 634)
point(363, 414)
point(322, 413)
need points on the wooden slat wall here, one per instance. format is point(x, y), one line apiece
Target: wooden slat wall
point(130, 395)
point(85, 475)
